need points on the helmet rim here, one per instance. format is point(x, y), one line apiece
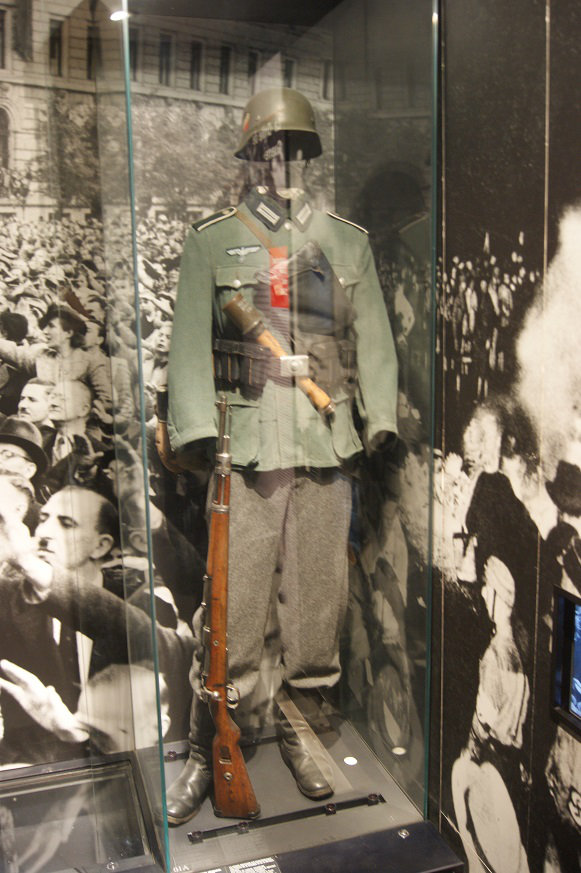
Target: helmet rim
point(276, 110)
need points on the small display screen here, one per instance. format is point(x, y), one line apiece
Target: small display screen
point(567, 660)
point(575, 703)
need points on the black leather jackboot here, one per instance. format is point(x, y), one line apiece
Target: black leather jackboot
point(185, 796)
point(301, 750)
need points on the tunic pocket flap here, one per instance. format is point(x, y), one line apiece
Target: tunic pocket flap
point(236, 276)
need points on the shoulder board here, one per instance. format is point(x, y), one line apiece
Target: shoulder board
point(213, 219)
point(352, 223)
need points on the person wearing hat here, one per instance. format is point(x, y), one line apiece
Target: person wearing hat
point(565, 490)
point(22, 454)
point(62, 356)
point(311, 277)
point(28, 303)
point(564, 540)
point(21, 451)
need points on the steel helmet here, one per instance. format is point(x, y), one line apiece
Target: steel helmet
point(275, 110)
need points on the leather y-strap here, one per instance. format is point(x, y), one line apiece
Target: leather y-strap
point(255, 229)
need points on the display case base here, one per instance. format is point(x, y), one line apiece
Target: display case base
point(367, 804)
point(416, 849)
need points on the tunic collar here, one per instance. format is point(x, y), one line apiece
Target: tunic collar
point(273, 211)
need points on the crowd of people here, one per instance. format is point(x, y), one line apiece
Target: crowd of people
point(73, 516)
point(480, 309)
point(507, 527)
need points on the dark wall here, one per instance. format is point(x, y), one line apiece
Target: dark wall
point(505, 779)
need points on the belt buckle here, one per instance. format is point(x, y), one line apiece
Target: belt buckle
point(294, 365)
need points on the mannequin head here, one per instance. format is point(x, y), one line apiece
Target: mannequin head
point(268, 164)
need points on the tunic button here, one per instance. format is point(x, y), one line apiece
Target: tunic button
point(236, 283)
point(261, 189)
point(287, 225)
point(341, 281)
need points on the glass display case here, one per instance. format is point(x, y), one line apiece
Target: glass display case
point(226, 202)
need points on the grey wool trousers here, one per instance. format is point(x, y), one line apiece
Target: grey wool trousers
point(295, 522)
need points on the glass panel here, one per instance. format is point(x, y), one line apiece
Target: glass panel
point(78, 659)
point(383, 56)
point(329, 517)
point(149, 704)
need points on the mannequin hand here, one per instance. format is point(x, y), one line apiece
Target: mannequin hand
point(384, 441)
point(197, 456)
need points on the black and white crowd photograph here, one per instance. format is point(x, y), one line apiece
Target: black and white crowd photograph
point(507, 477)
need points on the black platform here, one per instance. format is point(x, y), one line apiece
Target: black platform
point(417, 849)
point(368, 825)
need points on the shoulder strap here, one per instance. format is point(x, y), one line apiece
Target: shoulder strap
point(255, 229)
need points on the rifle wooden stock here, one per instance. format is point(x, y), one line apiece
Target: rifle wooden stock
point(233, 793)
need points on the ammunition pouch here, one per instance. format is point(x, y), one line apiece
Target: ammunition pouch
point(241, 364)
point(247, 365)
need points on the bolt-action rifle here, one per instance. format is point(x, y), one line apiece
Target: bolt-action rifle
point(233, 793)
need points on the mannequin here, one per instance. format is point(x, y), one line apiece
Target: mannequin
point(310, 276)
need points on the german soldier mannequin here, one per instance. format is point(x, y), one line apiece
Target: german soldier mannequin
point(311, 277)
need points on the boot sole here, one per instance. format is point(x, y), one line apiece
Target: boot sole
point(175, 820)
point(322, 794)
